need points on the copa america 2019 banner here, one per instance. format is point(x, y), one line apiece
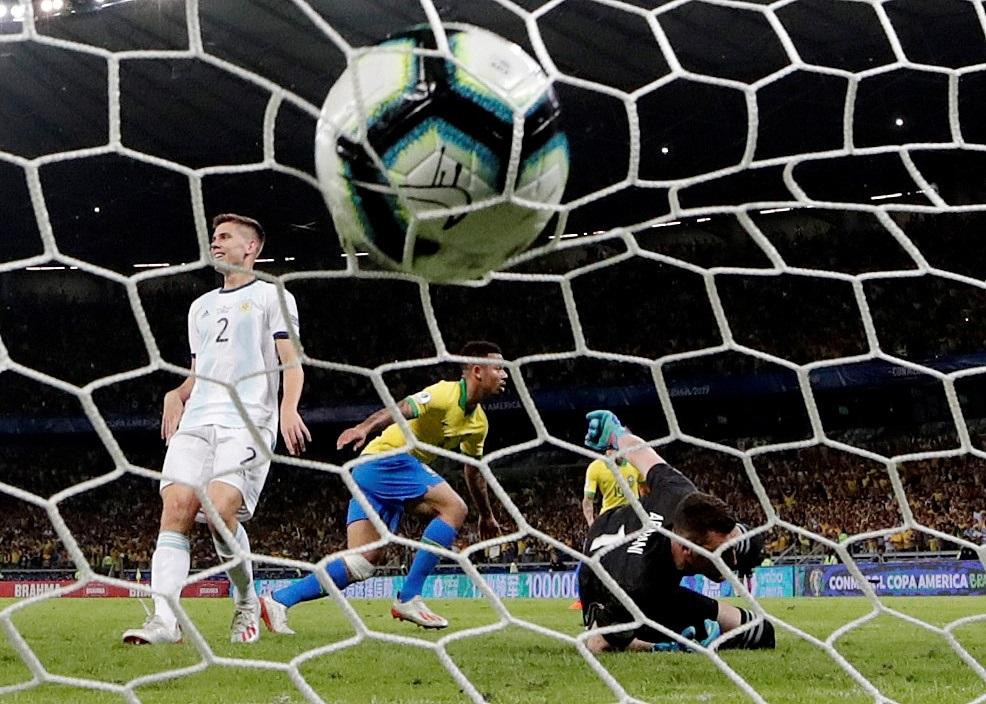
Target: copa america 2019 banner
point(917, 578)
point(525, 585)
point(765, 582)
point(914, 578)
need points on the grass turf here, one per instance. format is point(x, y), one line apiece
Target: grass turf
point(81, 638)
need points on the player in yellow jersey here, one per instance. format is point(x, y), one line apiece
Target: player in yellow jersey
point(448, 415)
point(599, 480)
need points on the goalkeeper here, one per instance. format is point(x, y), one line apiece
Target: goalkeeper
point(649, 567)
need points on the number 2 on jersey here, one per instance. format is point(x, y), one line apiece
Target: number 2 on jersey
point(225, 323)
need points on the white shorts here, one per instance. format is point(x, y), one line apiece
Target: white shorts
point(213, 453)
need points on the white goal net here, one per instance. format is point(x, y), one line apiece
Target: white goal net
point(772, 269)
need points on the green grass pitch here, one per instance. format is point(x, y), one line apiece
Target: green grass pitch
point(909, 665)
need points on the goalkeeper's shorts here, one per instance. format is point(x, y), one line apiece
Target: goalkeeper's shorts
point(675, 609)
point(388, 482)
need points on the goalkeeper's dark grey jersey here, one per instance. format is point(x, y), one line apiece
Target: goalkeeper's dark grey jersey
point(642, 566)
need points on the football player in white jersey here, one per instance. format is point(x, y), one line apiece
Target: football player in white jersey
point(238, 336)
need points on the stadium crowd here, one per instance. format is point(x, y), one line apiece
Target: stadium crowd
point(796, 317)
point(828, 492)
point(800, 318)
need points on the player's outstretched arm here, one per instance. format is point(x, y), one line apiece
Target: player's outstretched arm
point(589, 494)
point(357, 435)
point(174, 406)
point(639, 453)
point(479, 492)
point(293, 428)
point(589, 509)
point(605, 431)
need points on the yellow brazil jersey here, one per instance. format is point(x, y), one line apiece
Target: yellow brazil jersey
point(599, 479)
point(440, 419)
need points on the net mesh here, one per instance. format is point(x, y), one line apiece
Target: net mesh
point(696, 186)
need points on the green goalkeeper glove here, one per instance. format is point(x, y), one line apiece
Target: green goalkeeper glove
point(604, 430)
point(712, 631)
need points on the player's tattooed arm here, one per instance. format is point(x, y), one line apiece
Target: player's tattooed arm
point(589, 509)
point(357, 435)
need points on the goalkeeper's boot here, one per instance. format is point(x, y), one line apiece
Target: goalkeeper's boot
point(415, 611)
point(246, 624)
point(154, 631)
point(275, 616)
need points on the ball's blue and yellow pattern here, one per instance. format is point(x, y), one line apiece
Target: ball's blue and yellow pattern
point(442, 133)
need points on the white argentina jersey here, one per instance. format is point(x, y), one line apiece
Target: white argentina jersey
point(231, 336)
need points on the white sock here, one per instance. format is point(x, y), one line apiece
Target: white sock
point(241, 575)
point(169, 569)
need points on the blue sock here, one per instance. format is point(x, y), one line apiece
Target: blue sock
point(310, 588)
point(437, 533)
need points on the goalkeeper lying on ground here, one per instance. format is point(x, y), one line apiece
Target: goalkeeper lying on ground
point(649, 567)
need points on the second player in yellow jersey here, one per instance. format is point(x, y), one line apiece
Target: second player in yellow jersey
point(599, 481)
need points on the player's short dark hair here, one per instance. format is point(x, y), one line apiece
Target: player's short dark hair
point(240, 220)
point(478, 348)
point(699, 514)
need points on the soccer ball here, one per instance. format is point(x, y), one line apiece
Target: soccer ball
point(442, 131)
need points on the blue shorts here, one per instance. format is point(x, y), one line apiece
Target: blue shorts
point(388, 482)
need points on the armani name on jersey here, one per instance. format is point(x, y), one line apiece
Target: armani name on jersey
point(643, 564)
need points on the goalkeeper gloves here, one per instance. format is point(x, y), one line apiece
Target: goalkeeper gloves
point(712, 631)
point(604, 430)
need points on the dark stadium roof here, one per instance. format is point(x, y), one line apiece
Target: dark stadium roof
point(198, 114)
